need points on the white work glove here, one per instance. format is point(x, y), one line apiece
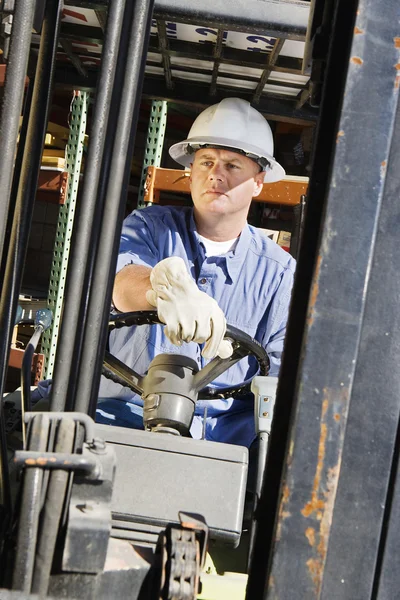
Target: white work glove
point(189, 314)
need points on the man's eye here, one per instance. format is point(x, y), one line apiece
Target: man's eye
point(232, 166)
point(206, 163)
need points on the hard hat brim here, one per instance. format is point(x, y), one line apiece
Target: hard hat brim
point(179, 152)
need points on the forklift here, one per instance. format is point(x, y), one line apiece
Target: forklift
point(92, 511)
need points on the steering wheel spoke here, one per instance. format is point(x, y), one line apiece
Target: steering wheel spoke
point(217, 366)
point(119, 372)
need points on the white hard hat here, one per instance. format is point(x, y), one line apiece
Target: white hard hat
point(233, 124)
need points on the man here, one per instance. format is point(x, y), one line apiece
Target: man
point(203, 267)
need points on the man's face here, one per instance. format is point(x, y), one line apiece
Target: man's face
point(224, 182)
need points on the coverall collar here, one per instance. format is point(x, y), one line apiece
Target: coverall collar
point(234, 259)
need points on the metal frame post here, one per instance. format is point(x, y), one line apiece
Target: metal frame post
point(12, 103)
point(96, 330)
point(363, 550)
point(42, 91)
point(154, 143)
point(88, 215)
point(311, 530)
point(73, 157)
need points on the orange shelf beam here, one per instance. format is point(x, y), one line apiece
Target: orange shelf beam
point(16, 358)
point(288, 191)
point(52, 186)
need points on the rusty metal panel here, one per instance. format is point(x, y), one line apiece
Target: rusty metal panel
point(364, 543)
point(324, 373)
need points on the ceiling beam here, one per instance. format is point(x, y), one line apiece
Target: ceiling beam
point(73, 57)
point(245, 58)
point(198, 96)
point(273, 57)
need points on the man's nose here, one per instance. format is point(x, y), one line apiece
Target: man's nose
point(216, 173)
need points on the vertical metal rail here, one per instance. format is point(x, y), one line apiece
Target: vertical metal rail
point(163, 45)
point(363, 552)
point(154, 143)
point(17, 169)
point(26, 195)
point(309, 442)
point(52, 511)
point(73, 157)
point(273, 57)
point(298, 227)
point(87, 218)
point(12, 103)
point(115, 199)
point(217, 61)
point(30, 508)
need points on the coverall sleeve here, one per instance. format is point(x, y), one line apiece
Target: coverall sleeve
point(137, 245)
point(279, 312)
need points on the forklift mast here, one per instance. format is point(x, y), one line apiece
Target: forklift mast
point(329, 512)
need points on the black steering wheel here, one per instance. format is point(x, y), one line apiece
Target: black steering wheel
point(243, 345)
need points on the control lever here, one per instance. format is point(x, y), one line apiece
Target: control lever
point(43, 319)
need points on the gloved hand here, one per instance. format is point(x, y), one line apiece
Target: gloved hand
point(188, 314)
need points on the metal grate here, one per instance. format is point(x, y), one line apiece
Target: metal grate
point(214, 57)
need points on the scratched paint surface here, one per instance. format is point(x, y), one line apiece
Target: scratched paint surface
point(335, 311)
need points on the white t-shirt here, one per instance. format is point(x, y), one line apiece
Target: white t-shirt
point(218, 248)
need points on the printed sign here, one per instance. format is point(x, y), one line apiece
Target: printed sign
point(80, 16)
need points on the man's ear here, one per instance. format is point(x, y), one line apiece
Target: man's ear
point(190, 174)
point(258, 183)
